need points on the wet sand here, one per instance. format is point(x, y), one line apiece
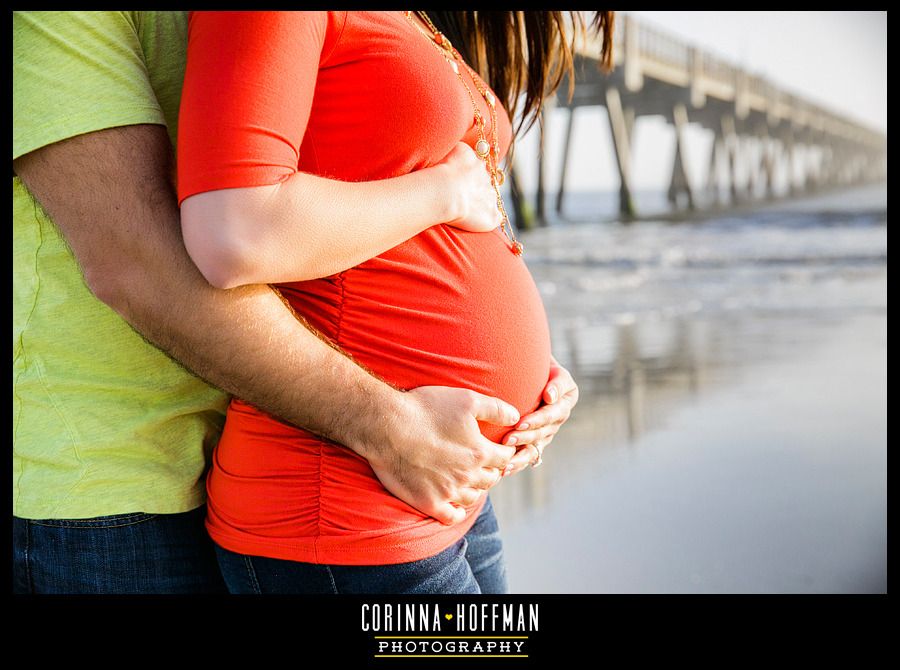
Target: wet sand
point(765, 477)
point(725, 446)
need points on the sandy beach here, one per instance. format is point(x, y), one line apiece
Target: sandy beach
point(731, 433)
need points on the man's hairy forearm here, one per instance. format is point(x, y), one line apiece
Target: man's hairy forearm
point(110, 194)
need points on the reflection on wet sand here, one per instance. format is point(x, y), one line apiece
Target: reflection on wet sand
point(731, 430)
point(630, 376)
point(680, 461)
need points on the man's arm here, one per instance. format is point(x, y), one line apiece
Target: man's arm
point(111, 196)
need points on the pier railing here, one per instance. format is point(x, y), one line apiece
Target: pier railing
point(659, 74)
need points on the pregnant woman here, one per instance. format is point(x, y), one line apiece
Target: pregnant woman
point(353, 159)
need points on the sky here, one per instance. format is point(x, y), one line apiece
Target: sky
point(837, 59)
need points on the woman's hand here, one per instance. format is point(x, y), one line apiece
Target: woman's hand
point(536, 430)
point(473, 199)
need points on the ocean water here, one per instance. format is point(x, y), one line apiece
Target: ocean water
point(731, 432)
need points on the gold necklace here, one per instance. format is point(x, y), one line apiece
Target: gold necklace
point(489, 152)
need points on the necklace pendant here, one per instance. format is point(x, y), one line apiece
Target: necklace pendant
point(482, 148)
point(517, 248)
point(490, 98)
point(453, 65)
point(442, 41)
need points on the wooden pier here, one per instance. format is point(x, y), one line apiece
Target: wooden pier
point(758, 127)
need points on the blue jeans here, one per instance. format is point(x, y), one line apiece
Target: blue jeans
point(472, 565)
point(124, 553)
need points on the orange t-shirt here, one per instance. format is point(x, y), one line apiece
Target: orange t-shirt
point(354, 96)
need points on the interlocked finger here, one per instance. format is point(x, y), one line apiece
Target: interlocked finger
point(498, 455)
point(523, 458)
point(489, 479)
point(558, 412)
point(468, 497)
point(536, 435)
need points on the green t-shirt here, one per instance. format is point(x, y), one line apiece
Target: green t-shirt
point(103, 422)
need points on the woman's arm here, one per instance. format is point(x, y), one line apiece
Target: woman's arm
point(248, 215)
point(308, 226)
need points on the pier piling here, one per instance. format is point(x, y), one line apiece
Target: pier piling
point(757, 127)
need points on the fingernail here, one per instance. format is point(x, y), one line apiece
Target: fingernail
point(507, 470)
point(512, 440)
point(523, 426)
point(552, 393)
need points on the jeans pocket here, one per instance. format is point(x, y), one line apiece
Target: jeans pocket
point(112, 521)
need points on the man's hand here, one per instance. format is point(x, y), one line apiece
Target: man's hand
point(536, 430)
point(437, 460)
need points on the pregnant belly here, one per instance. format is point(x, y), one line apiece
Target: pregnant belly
point(446, 308)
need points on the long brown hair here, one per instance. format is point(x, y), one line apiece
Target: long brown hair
point(523, 52)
